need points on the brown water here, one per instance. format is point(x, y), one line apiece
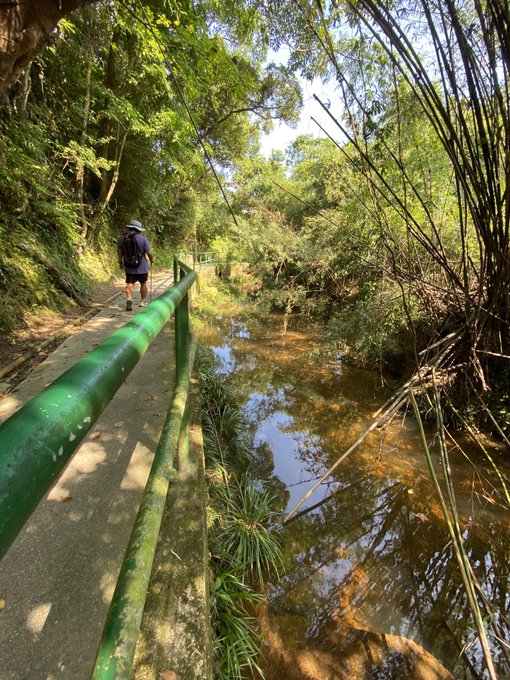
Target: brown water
point(370, 568)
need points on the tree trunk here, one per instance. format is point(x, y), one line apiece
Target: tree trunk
point(106, 126)
point(80, 169)
point(25, 26)
point(114, 177)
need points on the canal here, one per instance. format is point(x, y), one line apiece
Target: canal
point(371, 577)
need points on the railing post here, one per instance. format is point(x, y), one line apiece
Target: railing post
point(182, 343)
point(176, 270)
point(183, 444)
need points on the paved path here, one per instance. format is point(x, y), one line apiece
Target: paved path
point(58, 577)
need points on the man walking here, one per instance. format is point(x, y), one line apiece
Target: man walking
point(133, 250)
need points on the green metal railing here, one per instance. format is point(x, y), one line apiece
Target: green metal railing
point(197, 260)
point(39, 439)
point(116, 651)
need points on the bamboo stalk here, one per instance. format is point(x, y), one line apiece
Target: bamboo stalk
point(455, 535)
point(372, 427)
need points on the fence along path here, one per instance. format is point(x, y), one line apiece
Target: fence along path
point(58, 577)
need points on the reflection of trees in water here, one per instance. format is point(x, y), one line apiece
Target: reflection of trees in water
point(266, 361)
point(385, 569)
point(263, 405)
point(262, 465)
point(367, 557)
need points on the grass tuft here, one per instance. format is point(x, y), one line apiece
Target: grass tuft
point(245, 548)
point(246, 533)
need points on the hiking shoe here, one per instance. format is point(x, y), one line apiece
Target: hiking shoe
point(142, 303)
point(129, 306)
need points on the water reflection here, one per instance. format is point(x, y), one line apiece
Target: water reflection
point(373, 553)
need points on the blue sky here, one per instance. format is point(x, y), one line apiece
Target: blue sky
point(283, 135)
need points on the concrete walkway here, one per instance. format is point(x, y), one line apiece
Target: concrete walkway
point(58, 577)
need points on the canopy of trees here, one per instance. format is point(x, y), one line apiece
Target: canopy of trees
point(396, 230)
point(126, 111)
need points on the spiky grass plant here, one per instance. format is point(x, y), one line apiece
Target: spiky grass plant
point(218, 478)
point(244, 546)
point(223, 425)
point(246, 532)
point(237, 643)
point(224, 436)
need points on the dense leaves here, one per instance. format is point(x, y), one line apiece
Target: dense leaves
point(398, 228)
point(126, 113)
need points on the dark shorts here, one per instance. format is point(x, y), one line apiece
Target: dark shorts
point(133, 278)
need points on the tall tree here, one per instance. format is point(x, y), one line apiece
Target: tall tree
point(451, 59)
point(25, 28)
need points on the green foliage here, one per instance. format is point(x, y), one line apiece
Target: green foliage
point(245, 549)
point(28, 271)
point(325, 244)
point(112, 119)
point(236, 644)
point(227, 248)
point(206, 305)
point(375, 327)
point(245, 534)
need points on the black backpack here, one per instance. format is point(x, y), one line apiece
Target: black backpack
point(130, 250)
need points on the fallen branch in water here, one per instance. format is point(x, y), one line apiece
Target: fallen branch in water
point(420, 381)
point(449, 509)
point(424, 379)
point(386, 418)
point(428, 382)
